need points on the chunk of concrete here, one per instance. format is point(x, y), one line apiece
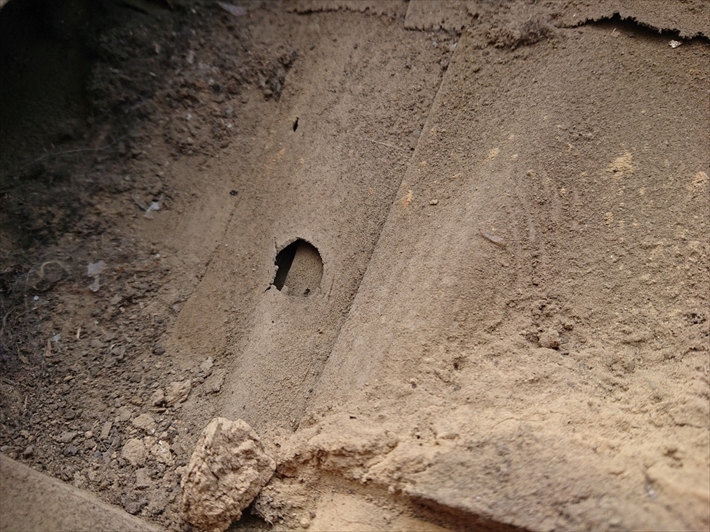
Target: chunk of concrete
point(226, 472)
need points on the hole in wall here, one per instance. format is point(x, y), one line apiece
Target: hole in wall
point(295, 124)
point(299, 269)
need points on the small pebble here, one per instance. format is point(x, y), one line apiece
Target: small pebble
point(158, 397)
point(143, 478)
point(145, 422)
point(206, 366)
point(550, 339)
point(66, 437)
point(123, 414)
point(134, 507)
point(106, 430)
point(71, 450)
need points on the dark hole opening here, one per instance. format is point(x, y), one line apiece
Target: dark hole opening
point(283, 263)
point(299, 268)
point(295, 124)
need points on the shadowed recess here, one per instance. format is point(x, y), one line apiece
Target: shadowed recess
point(299, 269)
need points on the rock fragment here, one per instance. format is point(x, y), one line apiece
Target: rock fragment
point(177, 392)
point(226, 472)
point(143, 478)
point(206, 366)
point(134, 452)
point(145, 422)
point(68, 436)
point(158, 397)
point(106, 430)
point(123, 414)
point(550, 339)
point(214, 383)
point(161, 452)
point(133, 506)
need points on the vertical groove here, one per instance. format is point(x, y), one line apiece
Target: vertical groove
point(427, 127)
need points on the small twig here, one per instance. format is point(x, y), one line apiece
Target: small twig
point(69, 152)
point(4, 322)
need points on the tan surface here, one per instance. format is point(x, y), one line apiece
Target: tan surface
point(331, 182)
point(512, 325)
point(451, 15)
point(304, 276)
point(689, 19)
point(546, 161)
point(31, 501)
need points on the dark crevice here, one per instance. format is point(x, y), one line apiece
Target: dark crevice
point(284, 259)
point(299, 269)
point(635, 28)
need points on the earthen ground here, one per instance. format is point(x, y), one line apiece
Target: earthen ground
point(509, 327)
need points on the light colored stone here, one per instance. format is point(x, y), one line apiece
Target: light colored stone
point(134, 451)
point(123, 414)
point(145, 422)
point(177, 392)
point(161, 452)
point(181, 473)
point(106, 430)
point(79, 480)
point(214, 382)
point(550, 339)
point(206, 366)
point(158, 397)
point(66, 437)
point(142, 478)
point(226, 472)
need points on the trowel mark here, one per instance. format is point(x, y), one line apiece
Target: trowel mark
point(405, 201)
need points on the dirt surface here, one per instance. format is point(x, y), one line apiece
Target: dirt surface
point(509, 209)
point(33, 501)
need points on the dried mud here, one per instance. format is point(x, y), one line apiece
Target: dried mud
point(511, 207)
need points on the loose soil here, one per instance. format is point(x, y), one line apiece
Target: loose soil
point(510, 327)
